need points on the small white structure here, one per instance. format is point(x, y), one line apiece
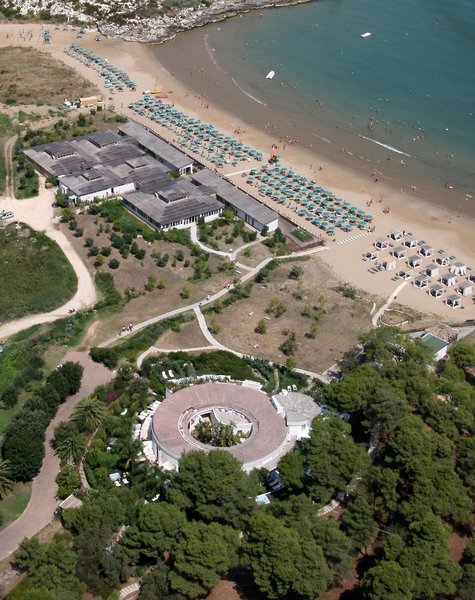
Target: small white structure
point(399, 252)
point(426, 250)
point(381, 243)
point(436, 344)
point(472, 277)
point(370, 254)
point(432, 270)
point(442, 260)
point(404, 275)
point(410, 242)
point(448, 279)
point(388, 262)
point(465, 288)
point(396, 235)
point(421, 281)
point(298, 410)
point(437, 290)
point(458, 268)
point(454, 301)
point(414, 261)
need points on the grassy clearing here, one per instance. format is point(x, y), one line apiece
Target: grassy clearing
point(14, 503)
point(32, 77)
point(36, 276)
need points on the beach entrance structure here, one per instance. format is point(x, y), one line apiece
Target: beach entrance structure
point(421, 281)
point(381, 243)
point(396, 235)
point(465, 288)
point(437, 290)
point(426, 250)
point(399, 252)
point(448, 279)
point(454, 301)
point(458, 268)
point(414, 261)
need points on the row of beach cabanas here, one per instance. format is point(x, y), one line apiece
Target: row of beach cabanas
point(201, 138)
point(115, 77)
point(308, 199)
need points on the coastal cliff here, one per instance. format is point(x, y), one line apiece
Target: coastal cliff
point(146, 21)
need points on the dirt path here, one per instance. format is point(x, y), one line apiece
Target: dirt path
point(38, 213)
point(8, 157)
point(43, 503)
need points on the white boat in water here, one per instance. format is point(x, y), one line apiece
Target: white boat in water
point(367, 34)
point(270, 75)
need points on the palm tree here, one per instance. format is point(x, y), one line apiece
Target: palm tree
point(89, 413)
point(128, 449)
point(71, 449)
point(6, 482)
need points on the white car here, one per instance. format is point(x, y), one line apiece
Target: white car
point(6, 215)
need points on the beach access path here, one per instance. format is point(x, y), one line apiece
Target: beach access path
point(43, 502)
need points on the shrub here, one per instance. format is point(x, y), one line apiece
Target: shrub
point(114, 263)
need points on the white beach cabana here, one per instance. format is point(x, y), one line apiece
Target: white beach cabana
point(448, 279)
point(370, 254)
point(442, 260)
point(426, 250)
point(421, 281)
point(399, 252)
point(437, 290)
point(454, 301)
point(432, 270)
point(410, 241)
point(381, 243)
point(396, 235)
point(471, 277)
point(404, 275)
point(465, 288)
point(458, 268)
point(388, 262)
point(414, 261)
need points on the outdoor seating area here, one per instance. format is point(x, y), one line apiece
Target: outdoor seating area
point(201, 138)
point(115, 78)
point(309, 200)
point(390, 253)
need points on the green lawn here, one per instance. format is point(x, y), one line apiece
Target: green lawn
point(36, 276)
point(14, 503)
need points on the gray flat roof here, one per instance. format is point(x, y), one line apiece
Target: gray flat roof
point(156, 145)
point(231, 195)
point(165, 213)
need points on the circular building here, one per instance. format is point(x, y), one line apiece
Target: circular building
point(249, 411)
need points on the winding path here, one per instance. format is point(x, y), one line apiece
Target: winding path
point(43, 503)
point(38, 213)
point(380, 312)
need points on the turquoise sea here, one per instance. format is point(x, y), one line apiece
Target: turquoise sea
point(402, 98)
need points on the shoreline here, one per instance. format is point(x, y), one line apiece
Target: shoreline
point(203, 73)
point(406, 211)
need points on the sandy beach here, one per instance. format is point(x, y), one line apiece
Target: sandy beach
point(392, 209)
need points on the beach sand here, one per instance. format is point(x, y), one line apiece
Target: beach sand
point(408, 211)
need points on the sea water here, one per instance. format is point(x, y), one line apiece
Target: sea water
point(404, 97)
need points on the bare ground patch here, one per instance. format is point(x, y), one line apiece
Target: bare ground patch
point(189, 336)
point(28, 76)
point(337, 331)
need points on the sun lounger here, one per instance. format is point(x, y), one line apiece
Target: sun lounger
point(170, 374)
point(164, 375)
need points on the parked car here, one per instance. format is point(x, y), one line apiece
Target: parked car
point(7, 215)
point(274, 481)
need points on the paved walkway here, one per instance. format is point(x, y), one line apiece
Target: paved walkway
point(379, 313)
point(43, 503)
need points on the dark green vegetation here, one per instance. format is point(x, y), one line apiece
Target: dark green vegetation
point(227, 230)
point(23, 441)
point(302, 235)
point(36, 276)
point(183, 531)
point(278, 243)
point(220, 435)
